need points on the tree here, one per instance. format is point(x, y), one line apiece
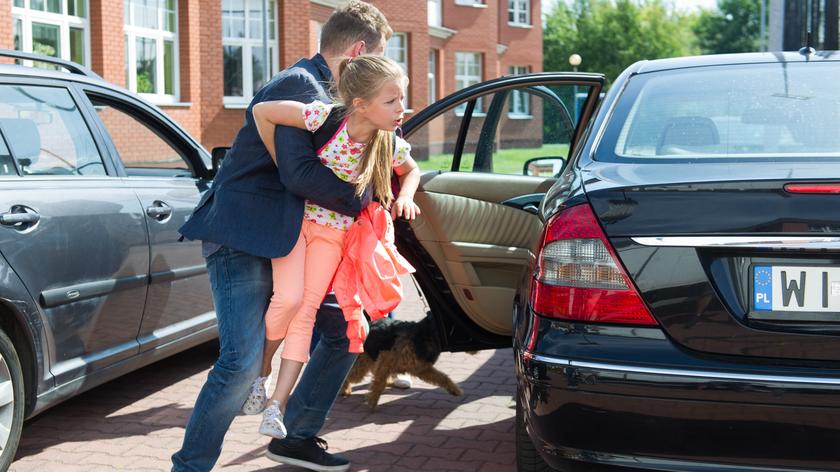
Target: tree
point(611, 35)
point(734, 27)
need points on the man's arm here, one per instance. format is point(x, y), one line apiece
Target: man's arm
point(298, 166)
point(303, 174)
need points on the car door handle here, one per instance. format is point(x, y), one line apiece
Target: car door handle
point(19, 216)
point(159, 211)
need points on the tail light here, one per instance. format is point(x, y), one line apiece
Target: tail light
point(579, 277)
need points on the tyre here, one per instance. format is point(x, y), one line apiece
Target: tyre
point(527, 457)
point(11, 401)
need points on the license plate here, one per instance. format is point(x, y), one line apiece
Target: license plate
point(801, 293)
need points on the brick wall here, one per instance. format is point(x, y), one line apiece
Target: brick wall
point(6, 32)
point(107, 42)
point(201, 80)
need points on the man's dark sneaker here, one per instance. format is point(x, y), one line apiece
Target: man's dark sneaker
point(307, 453)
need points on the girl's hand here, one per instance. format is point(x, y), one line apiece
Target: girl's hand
point(405, 207)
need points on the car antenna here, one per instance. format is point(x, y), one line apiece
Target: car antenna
point(808, 49)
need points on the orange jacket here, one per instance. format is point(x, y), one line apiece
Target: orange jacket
point(369, 273)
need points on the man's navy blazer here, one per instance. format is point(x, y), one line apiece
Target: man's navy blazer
point(256, 207)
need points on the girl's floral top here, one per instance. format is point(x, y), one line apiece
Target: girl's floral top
point(342, 156)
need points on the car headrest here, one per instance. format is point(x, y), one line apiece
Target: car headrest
point(689, 131)
point(23, 137)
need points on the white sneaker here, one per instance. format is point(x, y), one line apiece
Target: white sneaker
point(257, 397)
point(402, 381)
point(272, 422)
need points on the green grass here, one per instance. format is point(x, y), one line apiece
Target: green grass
point(505, 161)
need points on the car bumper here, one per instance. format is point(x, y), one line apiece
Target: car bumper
point(629, 397)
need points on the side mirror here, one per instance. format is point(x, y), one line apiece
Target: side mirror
point(543, 166)
point(217, 156)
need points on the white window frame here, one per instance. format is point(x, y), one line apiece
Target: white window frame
point(63, 20)
point(463, 79)
point(159, 36)
point(435, 12)
point(471, 3)
point(520, 102)
point(393, 51)
point(517, 8)
point(247, 43)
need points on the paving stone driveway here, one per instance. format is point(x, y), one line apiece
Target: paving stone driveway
point(137, 421)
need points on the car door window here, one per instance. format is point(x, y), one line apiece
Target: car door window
point(142, 149)
point(528, 124)
point(44, 132)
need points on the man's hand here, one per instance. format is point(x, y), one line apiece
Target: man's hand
point(405, 207)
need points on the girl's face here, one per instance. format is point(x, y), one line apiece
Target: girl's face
point(385, 110)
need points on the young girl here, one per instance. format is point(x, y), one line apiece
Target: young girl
point(363, 151)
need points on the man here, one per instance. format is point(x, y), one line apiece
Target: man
point(254, 213)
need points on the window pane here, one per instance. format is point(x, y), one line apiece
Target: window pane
point(271, 25)
point(18, 3)
point(139, 147)
point(7, 165)
point(146, 65)
point(54, 6)
point(170, 16)
point(233, 71)
point(37, 5)
point(18, 38)
point(233, 18)
point(77, 45)
point(46, 132)
point(255, 19)
point(169, 67)
point(257, 68)
point(127, 62)
point(45, 40)
point(145, 13)
point(76, 8)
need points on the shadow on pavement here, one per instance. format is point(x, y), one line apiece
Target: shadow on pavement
point(90, 416)
point(427, 435)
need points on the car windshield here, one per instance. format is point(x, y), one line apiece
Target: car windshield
point(745, 111)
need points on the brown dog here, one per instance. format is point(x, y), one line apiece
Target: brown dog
point(398, 347)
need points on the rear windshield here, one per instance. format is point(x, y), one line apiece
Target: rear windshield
point(746, 111)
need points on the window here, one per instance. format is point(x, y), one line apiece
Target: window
point(519, 103)
point(435, 13)
point(397, 49)
point(141, 150)
point(432, 75)
point(539, 146)
point(469, 2)
point(736, 112)
point(151, 48)
point(45, 133)
point(519, 12)
point(467, 72)
point(243, 48)
point(57, 28)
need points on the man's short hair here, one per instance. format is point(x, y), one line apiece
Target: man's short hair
point(355, 21)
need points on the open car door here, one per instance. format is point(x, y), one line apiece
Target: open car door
point(488, 154)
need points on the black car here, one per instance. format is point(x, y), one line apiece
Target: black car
point(682, 310)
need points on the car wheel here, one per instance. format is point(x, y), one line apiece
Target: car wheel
point(11, 401)
point(527, 457)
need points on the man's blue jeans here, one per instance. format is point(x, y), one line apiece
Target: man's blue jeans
point(323, 376)
point(242, 287)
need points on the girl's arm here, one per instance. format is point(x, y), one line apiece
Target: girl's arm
point(409, 175)
point(269, 114)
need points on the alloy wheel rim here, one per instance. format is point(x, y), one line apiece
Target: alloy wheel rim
point(7, 403)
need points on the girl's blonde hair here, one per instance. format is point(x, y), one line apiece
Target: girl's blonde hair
point(363, 77)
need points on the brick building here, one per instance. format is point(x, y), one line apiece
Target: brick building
point(202, 60)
